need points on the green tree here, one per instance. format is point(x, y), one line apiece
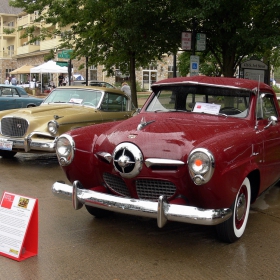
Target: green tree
point(123, 34)
point(234, 28)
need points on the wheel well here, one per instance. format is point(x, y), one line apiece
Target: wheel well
point(254, 178)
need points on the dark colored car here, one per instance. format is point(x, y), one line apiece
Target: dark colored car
point(200, 151)
point(93, 83)
point(12, 97)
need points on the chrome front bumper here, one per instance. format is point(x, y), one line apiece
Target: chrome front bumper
point(161, 210)
point(28, 144)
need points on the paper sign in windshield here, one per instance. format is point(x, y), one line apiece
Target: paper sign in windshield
point(208, 108)
point(76, 100)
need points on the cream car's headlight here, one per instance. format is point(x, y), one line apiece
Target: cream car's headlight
point(201, 165)
point(53, 127)
point(65, 149)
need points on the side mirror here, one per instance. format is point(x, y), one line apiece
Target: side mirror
point(272, 120)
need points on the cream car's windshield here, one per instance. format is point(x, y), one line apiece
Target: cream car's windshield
point(75, 96)
point(232, 102)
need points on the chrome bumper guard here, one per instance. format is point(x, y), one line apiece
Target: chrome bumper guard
point(27, 144)
point(161, 210)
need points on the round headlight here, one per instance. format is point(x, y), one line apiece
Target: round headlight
point(201, 165)
point(65, 149)
point(53, 127)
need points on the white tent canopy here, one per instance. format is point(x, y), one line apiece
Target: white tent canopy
point(48, 67)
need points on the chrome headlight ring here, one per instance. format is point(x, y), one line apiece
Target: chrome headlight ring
point(65, 149)
point(53, 127)
point(201, 164)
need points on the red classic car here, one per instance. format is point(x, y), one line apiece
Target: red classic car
point(200, 151)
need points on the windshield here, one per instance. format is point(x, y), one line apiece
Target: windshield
point(201, 99)
point(75, 96)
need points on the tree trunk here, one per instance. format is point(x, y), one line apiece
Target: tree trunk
point(133, 80)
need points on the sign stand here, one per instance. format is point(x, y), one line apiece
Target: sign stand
point(18, 226)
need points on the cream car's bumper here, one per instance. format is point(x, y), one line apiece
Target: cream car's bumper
point(35, 141)
point(161, 210)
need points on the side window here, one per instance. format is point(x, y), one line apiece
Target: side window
point(113, 102)
point(6, 92)
point(14, 92)
point(266, 107)
point(164, 101)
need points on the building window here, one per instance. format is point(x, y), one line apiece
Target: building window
point(93, 73)
point(8, 72)
point(120, 77)
point(149, 76)
point(170, 72)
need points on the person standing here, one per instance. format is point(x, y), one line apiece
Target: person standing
point(126, 89)
point(14, 81)
point(7, 81)
point(60, 80)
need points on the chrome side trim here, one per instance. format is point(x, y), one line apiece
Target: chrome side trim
point(107, 156)
point(161, 210)
point(161, 161)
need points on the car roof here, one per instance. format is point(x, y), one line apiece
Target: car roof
point(114, 90)
point(214, 81)
point(11, 86)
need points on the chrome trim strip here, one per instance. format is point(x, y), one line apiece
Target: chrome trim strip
point(199, 83)
point(108, 157)
point(162, 161)
point(161, 210)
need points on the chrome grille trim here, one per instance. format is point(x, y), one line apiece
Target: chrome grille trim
point(13, 127)
point(116, 184)
point(152, 189)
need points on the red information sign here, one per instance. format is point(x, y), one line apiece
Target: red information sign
point(186, 41)
point(18, 226)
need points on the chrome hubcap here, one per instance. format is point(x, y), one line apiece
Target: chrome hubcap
point(240, 207)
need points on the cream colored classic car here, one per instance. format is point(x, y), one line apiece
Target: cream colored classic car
point(35, 129)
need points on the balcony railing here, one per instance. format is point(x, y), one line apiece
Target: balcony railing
point(7, 30)
point(27, 49)
point(7, 54)
point(49, 44)
point(26, 20)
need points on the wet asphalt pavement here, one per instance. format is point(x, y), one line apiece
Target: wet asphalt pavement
point(74, 245)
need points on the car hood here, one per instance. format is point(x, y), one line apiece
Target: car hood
point(174, 135)
point(63, 112)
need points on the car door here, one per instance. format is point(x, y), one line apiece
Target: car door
point(114, 107)
point(271, 139)
point(9, 98)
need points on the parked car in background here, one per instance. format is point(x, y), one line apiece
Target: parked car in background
point(12, 97)
point(200, 151)
point(34, 130)
point(93, 83)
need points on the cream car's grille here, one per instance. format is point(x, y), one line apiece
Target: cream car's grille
point(153, 189)
point(13, 127)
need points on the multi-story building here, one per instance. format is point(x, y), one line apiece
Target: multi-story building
point(15, 51)
point(8, 38)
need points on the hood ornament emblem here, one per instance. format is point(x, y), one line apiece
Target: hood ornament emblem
point(56, 117)
point(143, 123)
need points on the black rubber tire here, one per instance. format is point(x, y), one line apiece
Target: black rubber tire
point(97, 212)
point(233, 228)
point(7, 154)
